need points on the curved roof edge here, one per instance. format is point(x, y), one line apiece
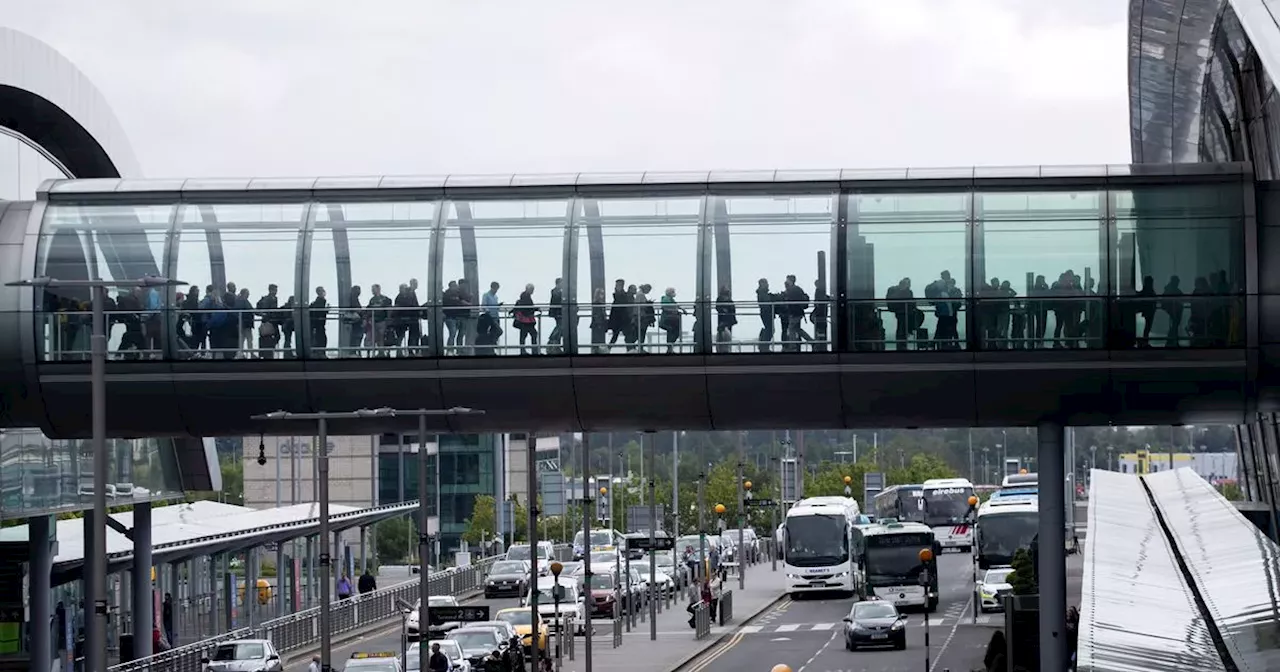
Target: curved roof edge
point(46, 98)
point(1168, 57)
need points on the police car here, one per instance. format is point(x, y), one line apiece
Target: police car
point(381, 661)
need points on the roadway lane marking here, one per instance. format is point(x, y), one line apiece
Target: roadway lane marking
point(822, 626)
point(750, 629)
point(819, 652)
point(941, 650)
point(706, 662)
point(789, 627)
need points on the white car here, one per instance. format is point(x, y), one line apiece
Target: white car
point(244, 655)
point(450, 648)
point(665, 584)
point(569, 613)
point(993, 587)
point(413, 622)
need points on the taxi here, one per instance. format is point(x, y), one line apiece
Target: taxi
point(521, 618)
point(380, 661)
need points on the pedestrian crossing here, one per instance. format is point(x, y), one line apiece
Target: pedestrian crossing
point(913, 621)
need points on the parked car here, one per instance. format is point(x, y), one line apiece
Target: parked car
point(507, 578)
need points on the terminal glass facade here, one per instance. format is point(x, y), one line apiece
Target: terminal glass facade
point(466, 471)
point(41, 476)
point(1098, 258)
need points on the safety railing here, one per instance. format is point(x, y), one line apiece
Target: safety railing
point(701, 621)
point(301, 630)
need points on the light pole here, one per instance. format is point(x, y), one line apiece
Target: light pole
point(322, 463)
point(742, 516)
point(586, 543)
point(926, 556)
point(96, 632)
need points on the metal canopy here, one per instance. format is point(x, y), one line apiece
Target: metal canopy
point(184, 531)
point(1232, 562)
point(1137, 614)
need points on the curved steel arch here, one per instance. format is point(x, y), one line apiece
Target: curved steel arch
point(44, 97)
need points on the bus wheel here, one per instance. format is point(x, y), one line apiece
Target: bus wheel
point(966, 549)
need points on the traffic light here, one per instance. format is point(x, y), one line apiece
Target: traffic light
point(603, 496)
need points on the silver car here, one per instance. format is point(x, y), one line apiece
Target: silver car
point(244, 655)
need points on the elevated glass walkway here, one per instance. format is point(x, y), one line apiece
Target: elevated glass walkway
point(563, 286)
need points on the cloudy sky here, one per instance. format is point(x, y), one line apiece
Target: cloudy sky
point(293, 87)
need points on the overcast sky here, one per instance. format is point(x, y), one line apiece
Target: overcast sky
point(340, 88)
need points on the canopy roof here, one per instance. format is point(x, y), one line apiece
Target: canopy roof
point(186, 530)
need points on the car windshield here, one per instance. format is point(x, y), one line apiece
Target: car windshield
point(448, 647)
point(605, 558)
point(995, 576)
point(508, 567)
point(570, 594)
point(642, 567)
point(476, 640)
point(239, 652)
point(598, 538)
point(663, 560)
point(602, 582)
point(517, 617)
point(440, 601)
point(874, 610)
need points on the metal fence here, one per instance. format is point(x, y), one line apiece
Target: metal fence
point(296, 632)
point(724, 609)
point(701, 621)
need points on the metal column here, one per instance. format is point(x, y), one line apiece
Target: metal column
point(675, 487)
point(326, 569)
point(742, 516)
point(531, 463)
point(1052, 564)
point(424, 542)
point(96, 632)
point(143, 611)
point(40, 583)
point(586, 538)
point(648, 438)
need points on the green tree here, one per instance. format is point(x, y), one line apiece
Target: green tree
point(920, 468)
point(395, 540)
point(482, 524)
point(232, 481)
point(1023, 578)
point(1231, 491)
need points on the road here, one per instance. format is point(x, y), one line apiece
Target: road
point(806, 634)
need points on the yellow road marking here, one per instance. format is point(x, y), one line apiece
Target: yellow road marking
point(705, 662)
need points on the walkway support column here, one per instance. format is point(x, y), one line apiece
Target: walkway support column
point(1052, 564)
point(143, 612)
point(40, 582)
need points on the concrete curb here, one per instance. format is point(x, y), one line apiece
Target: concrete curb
point(726, 635)
point(350, 636)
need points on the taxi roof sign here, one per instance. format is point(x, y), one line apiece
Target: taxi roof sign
point(374, 654)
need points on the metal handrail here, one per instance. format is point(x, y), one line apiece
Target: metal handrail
point(301, 630)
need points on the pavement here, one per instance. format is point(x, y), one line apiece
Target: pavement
point(806, 634)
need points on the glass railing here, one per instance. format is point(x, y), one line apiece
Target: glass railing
point(1087, 322)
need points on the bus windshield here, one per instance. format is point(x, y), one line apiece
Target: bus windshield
point(817, 541)
point(894, 560)
point(946, 506)
point(1000, 535)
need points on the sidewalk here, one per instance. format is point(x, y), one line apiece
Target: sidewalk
point(675, 645)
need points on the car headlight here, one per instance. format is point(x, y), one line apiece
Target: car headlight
point(986, 595)
point(896, 626)
point(841, 575)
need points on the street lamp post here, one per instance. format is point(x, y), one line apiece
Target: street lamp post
point(96, 632)
point(322, 456)
point(742, 516)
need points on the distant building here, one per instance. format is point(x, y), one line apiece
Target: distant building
point(1211, 467)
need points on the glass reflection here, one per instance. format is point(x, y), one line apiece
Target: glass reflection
point(372, 255)
point(756, 239)
point(1179, 266)
point(898, 245)
point(237, 258)
point(494, 251)
point(41, 475)
point(82, 242)
point(1042, 252)
point(636, 279)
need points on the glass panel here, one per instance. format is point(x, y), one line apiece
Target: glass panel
point(907, 270)
point(502, 264)
point(44, 476)
point(1041, 255)
point(769, 267)
point(108, 243)
point(372, 256)
point(1179, 257)
point(237, 257)
point(630, 252)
